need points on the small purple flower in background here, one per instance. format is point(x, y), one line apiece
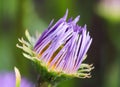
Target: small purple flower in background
point(8, 80)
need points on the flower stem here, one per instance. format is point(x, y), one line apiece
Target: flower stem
point(45, 84)
point(42, 83)
point(49, 85)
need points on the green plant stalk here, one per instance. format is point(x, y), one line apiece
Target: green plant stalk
point(42, 83)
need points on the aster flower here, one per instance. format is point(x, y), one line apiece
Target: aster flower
point(60, 50)
point(7, 79)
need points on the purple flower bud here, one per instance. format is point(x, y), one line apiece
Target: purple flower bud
point(63, 46)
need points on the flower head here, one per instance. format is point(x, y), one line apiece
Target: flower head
point(61, 48)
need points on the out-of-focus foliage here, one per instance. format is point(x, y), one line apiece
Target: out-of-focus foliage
point(109, 9)
point(35, 15)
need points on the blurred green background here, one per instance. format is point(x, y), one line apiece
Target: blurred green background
point(103, 21)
